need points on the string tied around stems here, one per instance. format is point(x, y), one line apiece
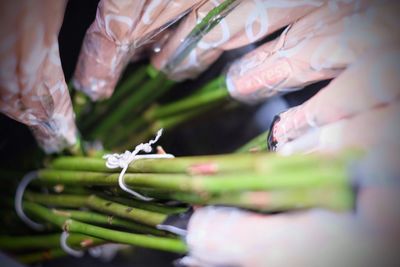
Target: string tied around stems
point(68, 249)
point(19, 195)
point(123, 161)
point(105, 252)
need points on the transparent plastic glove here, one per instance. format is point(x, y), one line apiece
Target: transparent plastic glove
point(32, 84)
point(368, 86)
point(248, 22)
point(368, 236)
point(319, 46)
point(119, 30)
point(360, 108)
point(220, 236)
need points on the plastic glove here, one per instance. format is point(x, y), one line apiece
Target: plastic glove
point(360, 108)
point(119, 30)
point(32, 85)
point(319, 46)
point(248, 22)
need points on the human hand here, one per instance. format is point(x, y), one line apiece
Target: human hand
point(32, 85)
point(358, 109)
point(120, 31)
point(248, 22)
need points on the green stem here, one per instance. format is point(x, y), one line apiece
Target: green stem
point(101, 219)
point(161, 243)
point(147, 205)
point(71, 201)
point(218, 183)
point(65, 201)
point(170, 115)
point(188, 103)
point(257, 144)
point(142, 97)
point(41, 256)
point(46, 241)
point(128, 85)
point(338, 198)
point(230, 163)
point(142, 216)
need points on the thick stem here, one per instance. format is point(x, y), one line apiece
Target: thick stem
point(110, 220)
point(221, 163)
point(339, 198)
point(151, 206)
point(71, 201)
point(65, 201)
point(300, 177)
point(161, 243)
point(15, 243)
point(142, 216)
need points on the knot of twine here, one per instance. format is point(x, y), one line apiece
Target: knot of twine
point(123, 160)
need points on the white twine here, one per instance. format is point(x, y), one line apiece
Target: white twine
point(19, 195)
point(123, 160)
point(105, 252)
point(70, 251)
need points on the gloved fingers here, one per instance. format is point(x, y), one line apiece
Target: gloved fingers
point(220, 236)
point(120, 28)
point(246, 23)
point(319, 46)
point(32, 86)
point(368, 83)
point(365, 131)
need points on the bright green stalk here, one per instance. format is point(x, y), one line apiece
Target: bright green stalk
point(257, 144)
point(72, 226)
point(46, 241)
point(62, 200)
point(142, 216)
point(97, 218)
point(218, 183)
point(338, 198)
point(71, 201)
point(148, 205)
point(230, 163)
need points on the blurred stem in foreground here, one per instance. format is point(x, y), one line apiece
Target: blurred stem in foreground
point(73, 226)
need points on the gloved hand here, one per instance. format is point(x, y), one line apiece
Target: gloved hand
point(354, 44)
point(248, 22)
point(32, 84)
point(120, 29)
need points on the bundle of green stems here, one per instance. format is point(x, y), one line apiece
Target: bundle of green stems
point(131, 115)
point(84, 199)
point(119, 122)
point(81, 196)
